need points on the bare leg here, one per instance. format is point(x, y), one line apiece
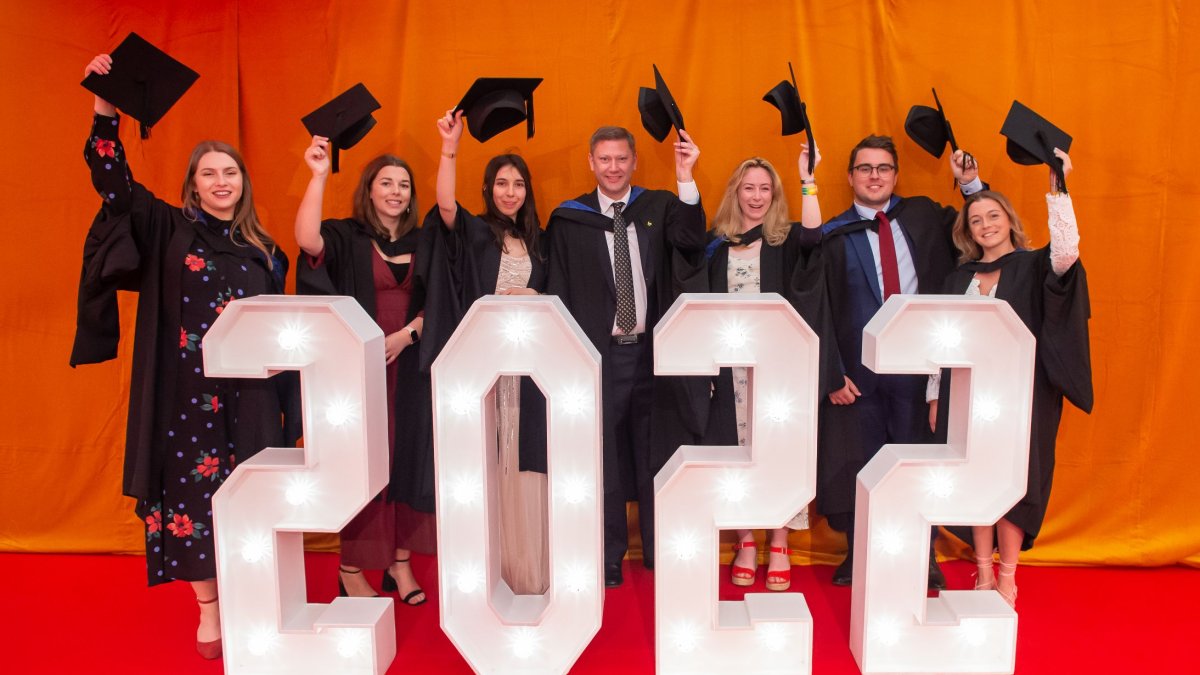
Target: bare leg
point(354, 582)
point(406, 583)
point(985, 577)
point(779, 565)
point(748, 556)
point(209, 629)
point(1011, 537)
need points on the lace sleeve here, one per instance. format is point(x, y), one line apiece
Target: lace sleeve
point(1064, 233)
point(933, 387)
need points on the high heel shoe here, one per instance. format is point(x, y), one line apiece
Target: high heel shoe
point(342, 586)
point(780, 580)
point(984, 564)
point(743, 576)
point(1008, 570)
point(209, 650)
point(389, 585)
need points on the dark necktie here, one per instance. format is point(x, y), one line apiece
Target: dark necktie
point(887, 257)
point(622, 272)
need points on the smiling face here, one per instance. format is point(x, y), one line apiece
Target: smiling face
point(508, 191)
point(391, 193)
point(873, 187)
point(613, 162)
point(755, 194)
point(991, 228)
point(217, 183)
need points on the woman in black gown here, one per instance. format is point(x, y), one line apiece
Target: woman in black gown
point(372, 256)
point(1047, 288)
point(185, 430)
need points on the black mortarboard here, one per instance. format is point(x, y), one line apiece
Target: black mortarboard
point(658, 108)
point(1032, 139)
point(785, 96)
point(344, 121)
point(495, 104)
point(144, 81)
point(929, 128)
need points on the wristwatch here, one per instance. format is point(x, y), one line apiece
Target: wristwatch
point(413, 336)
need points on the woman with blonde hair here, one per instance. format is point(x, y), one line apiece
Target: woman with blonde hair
point(755, 249)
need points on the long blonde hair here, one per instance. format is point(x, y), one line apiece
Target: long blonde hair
point(968, 249)
point(245, 218)
point(728, 221)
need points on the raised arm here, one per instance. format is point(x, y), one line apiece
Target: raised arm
point(966, 172)
point(308, 216)
point(104, 153)
point(450, 127)
point(810, 207)
point(1064, 232)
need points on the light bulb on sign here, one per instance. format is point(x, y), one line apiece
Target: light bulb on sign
point(778, 408)
point(300, 490)
point(256, 547)
point(574, 401)
point(524, 641)
point(260, 641)
point(469, 578)
point(293, 336)
point(685, 636)
point(733, 486)
point(462, 402)
point(972, 633)
point(946, 335)
point(339, 412)
point(574, 489)
point(686, 545)
point(467, 489)
point(890, 540)
point(939, 483)
point(351, 642)
point(575, 578)
point(887, 631)
point(734, 335)
point(986, 408)
point(773, 636)
point(517, 328)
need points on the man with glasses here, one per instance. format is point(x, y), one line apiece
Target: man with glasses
point(882, 245)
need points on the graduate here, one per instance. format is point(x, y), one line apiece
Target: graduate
point(185, 431)
point(373, 256)
point(499, 251)
point(1047, 287)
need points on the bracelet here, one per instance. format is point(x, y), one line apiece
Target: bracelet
point(810, 181)
point(413, 336)
point(807, 189)
point(448, 155)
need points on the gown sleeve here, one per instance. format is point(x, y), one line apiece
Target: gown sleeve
point(1064, 346)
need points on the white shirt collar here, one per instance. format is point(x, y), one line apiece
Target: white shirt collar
point(606, 203)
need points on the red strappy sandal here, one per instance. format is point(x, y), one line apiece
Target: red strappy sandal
point(743, 576)
point(780, 580)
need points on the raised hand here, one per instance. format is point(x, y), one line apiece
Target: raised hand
point(1067, 167)
point(805, 175)
point(101, 65)
point(964, 166)
point(317, 156)
point(686, 154)
point(450, 126)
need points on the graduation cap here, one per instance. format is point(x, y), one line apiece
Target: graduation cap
point(658, 108)
point(495, 104)
point(785, 96)
point(1032, 139)
point(344, 121)
point(930, 129)
point(144, 81)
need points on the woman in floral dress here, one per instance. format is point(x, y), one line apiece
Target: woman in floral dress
point(185, 431)
point(755, 250)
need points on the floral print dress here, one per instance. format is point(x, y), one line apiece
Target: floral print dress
point(199, 450)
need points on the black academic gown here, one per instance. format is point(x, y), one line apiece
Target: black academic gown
point(137, 243)
point(347, 269)
point(838, 283)
point(1056, 310)
point(463, 265)
point(671, 239)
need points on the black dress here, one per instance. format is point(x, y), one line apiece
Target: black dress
point(186, 431)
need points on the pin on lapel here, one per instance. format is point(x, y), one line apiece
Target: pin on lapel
point(649, 223)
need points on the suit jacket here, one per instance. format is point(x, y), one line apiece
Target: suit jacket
point(670, 233)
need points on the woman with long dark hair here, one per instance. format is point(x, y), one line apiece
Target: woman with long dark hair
point(499, 252)
point(185, 431)
point(1047, 287)
point(372, 256)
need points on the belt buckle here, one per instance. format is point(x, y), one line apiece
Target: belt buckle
point(627, 339)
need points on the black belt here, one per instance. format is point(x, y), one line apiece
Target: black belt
point(627, 339)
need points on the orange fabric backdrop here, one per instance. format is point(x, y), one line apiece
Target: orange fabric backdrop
point(1118, 80)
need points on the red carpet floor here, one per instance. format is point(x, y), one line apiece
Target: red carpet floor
point(94, 614)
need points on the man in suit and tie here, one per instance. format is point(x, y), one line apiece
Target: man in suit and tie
point(610, 262)
point(883, 244)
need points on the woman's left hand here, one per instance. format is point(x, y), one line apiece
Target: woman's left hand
point(1067, 167)
point(805, 175)
point(394, 344)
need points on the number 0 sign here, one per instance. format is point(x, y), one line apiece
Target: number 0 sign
point(271, 499)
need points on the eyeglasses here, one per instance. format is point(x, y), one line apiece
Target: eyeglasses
point(868, 169)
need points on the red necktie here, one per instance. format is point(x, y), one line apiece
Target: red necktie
point(887, 257)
